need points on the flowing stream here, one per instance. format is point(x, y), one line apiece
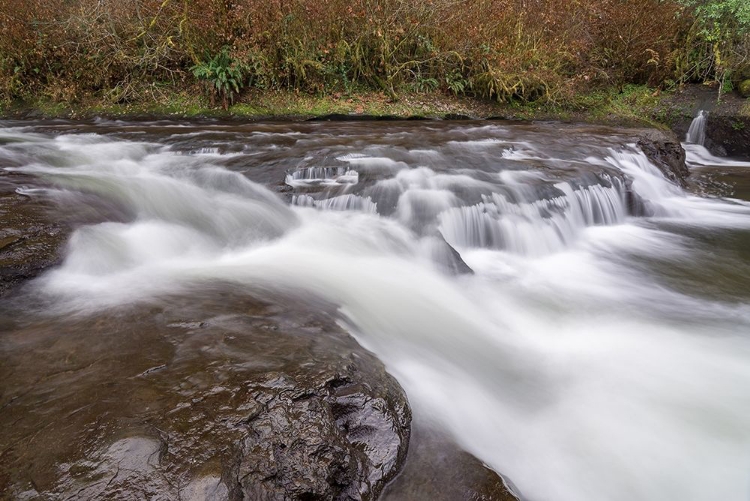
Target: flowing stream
point(542, 292)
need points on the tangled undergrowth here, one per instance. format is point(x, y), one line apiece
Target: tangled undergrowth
point(131, 51)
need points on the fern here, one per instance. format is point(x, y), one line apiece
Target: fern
point(224, 75)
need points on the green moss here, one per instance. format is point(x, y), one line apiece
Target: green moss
point(633, 105)
point(630, 106)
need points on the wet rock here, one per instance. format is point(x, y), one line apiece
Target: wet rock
point(276, 402)
point(447, 258)
point(209, 488)
point(725, 120)
point(637, 206)
point(126, 470)
point(728, 135)
point(437, 469)
point(30, 240)
point(335, 437)
point(37, 222)
point(665, 151)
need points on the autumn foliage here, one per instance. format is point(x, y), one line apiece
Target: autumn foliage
point(127, 50)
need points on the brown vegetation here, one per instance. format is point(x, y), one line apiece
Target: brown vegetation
point(132, 50)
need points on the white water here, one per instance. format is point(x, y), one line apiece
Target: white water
point(696, 153)
point(696, 134)
point(326, 176)
point(561, 362)
point(699, 156)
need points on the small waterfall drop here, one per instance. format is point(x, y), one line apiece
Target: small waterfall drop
point(323, 176)
point(696, 134)
point(536, 227)
point(339, 203)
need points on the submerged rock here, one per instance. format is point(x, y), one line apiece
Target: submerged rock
point(438, 469)
point(37, 222)
point(665, 151)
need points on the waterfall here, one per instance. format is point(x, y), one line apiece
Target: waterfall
point(697, 154)
point(499, 271)
point(696, 134)
point(537, 227)
point(326, 176)
point(340, 203)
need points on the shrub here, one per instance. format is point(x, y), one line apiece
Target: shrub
point(717, 42)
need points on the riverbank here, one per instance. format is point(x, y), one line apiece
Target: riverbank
point(634, 106)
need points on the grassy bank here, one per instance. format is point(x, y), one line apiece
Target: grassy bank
point(633, 105)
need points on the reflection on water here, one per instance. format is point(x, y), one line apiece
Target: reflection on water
point(544, 295)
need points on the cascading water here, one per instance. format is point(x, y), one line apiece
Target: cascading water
point(586, 357)
point(528, 228)
point(327, 176)
point(696, 152)
point(696, 134)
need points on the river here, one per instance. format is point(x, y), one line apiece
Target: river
point(543, 294)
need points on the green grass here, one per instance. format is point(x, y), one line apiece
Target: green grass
point(630, 106)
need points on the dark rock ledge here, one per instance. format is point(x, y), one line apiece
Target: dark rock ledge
point(728, 135)
point(665, 151)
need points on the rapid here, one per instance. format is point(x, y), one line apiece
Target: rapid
point(543, 293)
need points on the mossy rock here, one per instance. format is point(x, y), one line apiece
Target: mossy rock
point(744, 88)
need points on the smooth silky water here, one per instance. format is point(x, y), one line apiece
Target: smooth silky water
point(543, 294)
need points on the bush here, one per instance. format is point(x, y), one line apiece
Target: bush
point(717, 44)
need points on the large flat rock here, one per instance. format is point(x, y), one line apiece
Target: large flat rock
point(161, 402)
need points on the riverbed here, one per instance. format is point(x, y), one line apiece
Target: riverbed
point(555, 309)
